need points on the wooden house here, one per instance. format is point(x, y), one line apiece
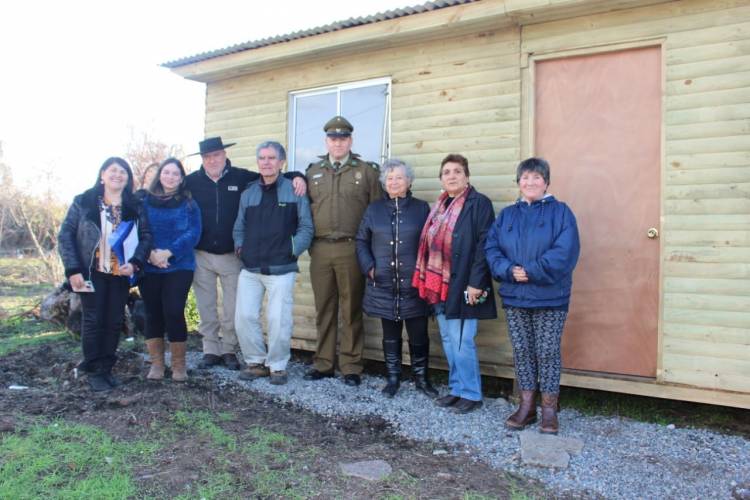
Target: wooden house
point(642, 108)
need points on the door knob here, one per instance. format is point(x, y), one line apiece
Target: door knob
point(653, 233)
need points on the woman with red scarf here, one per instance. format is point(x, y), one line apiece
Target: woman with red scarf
point(452, 275)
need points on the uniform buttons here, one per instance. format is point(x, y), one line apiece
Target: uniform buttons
point(391, 243)
point(393, 263)
point(402, 279)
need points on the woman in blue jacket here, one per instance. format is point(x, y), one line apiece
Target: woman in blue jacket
point(532, 250)
point(176, 227)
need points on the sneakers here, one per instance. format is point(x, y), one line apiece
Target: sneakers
point(278, 378)
point(253, 371)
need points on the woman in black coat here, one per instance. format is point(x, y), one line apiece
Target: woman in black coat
point(453, 275)
point(387, 243)
point(93, 266)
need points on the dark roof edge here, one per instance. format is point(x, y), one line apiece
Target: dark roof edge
point(328, 28)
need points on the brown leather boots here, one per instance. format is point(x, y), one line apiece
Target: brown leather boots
point(549, 423)
point(526, 413)
point(156, 352)
point(179, 370)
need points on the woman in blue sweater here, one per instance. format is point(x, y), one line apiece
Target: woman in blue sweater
point(532, 250)
point(176, 225)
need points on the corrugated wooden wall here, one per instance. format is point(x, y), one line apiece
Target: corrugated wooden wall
point(455, 94)
point(705, 327)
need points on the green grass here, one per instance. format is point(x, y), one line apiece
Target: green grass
point(268, 460)
point(21, 331)
point(202, 423)
point(61, 460)
point(275, 474)
point(654, 410)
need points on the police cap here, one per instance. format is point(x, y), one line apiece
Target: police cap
point(338, 126)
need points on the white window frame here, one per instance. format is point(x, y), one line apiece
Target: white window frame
point(292, 123)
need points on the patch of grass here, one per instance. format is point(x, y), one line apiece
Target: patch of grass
point(274, 473)
point(20, 284)
point(265, 445)
point(201, 422)
point(61, 460)
point(22, 331)
point(654, 410)
point(477, 496)
point(216, 485)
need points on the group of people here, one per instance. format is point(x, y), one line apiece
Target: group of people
point(374, 247)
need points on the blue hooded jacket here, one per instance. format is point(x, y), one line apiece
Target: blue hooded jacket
point(542, 237)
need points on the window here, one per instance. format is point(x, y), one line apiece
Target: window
point(365, 104)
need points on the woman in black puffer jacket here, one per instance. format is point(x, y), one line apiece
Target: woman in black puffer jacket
point(387, 243)
point(94, 269)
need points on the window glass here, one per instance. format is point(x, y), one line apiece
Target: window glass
point(365, 104)
point(365, 108)
point(312, 111)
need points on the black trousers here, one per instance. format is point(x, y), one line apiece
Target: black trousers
point(103, 312)
point(416, 328)
point(164, 296)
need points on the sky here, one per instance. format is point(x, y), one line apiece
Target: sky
point(79, 79)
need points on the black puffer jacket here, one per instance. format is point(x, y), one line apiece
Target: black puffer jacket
point(388, 239)
point(81, 231)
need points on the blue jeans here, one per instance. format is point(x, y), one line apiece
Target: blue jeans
point(458, 335)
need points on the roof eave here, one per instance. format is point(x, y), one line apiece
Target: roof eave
point(350, 40)
point(457, 19)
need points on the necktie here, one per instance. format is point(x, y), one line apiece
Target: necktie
point(336, 165)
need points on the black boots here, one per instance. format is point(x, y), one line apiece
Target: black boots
point(420, 356)
point(392, 356)
point(419, 365)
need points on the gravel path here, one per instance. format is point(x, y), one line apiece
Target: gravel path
point(620, 459)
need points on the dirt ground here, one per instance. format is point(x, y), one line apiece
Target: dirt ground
point(307, 460)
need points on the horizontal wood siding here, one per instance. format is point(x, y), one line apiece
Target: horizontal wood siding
point(462, 93)
point(705, 338)
point(449, 95)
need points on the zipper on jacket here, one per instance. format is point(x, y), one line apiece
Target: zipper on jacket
point(216, 185)
point(93, 253)
point(397, 294)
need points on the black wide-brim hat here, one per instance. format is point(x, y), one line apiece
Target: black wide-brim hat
point(212, 144)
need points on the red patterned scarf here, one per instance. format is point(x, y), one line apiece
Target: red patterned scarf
point(433, 270)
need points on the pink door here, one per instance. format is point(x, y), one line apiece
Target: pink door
point(598, 123)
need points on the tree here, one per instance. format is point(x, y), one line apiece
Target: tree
point(143, 151)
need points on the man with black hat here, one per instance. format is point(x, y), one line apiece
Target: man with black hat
point(217, 187)
point(341, 185)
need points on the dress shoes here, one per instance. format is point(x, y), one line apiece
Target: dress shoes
point(209, 360)
point(466, 406)
point(313, 374)
point(352, 380)
point(230, 361)
point(446, 401)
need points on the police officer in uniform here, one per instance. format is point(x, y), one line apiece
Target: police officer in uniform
point(340, 185)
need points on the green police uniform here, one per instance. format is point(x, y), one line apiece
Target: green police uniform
point(339, 196)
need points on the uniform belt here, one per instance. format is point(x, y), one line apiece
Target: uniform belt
point(334, 240)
